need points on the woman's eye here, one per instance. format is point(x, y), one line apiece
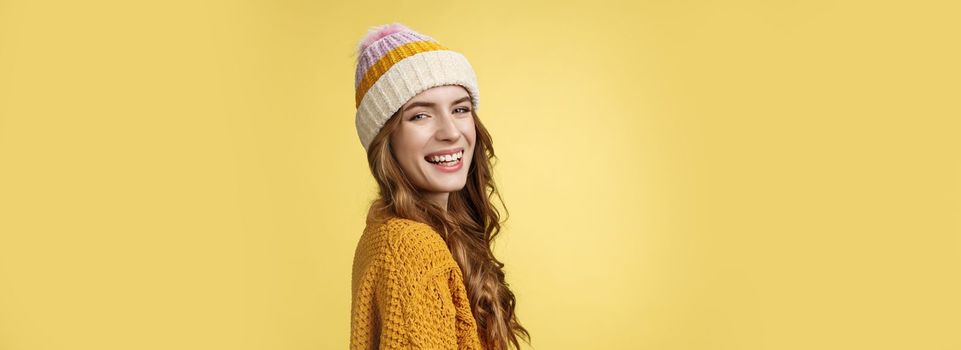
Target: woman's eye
point(464, 109)
point(414, 117)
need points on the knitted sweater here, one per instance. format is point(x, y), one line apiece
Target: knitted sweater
point(408, 291)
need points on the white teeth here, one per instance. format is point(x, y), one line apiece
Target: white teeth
point(447, 157)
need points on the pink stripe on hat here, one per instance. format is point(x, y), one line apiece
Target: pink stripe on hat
point(380, 47)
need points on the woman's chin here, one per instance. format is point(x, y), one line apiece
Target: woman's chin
point(452, 185)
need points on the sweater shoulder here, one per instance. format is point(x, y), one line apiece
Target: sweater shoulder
point(409, 245)
point(406, 234)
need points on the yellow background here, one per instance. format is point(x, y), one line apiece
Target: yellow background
point(679, 174)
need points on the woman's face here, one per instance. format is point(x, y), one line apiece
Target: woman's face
point(435, 139)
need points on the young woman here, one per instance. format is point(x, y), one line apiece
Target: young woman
point(424, 276)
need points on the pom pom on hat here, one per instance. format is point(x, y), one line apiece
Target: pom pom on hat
point(378, 32)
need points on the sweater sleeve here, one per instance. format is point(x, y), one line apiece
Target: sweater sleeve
point(419, 312)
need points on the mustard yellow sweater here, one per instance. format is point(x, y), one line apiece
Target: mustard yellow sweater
point(407, 291)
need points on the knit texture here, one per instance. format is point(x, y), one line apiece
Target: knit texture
point(408, 291)
point(394, 64)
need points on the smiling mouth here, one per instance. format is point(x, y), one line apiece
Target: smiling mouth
point(446, 160)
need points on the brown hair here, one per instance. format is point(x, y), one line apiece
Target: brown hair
point(468, 226)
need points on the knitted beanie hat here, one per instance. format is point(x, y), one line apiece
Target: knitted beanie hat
point(394, 63)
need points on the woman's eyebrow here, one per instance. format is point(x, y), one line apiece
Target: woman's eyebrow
point(431, 104)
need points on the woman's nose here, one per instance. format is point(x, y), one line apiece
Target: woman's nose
point(447, 130)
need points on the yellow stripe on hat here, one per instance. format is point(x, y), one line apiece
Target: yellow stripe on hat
point(393, 56)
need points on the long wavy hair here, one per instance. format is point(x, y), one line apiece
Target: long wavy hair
point(468, 226)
